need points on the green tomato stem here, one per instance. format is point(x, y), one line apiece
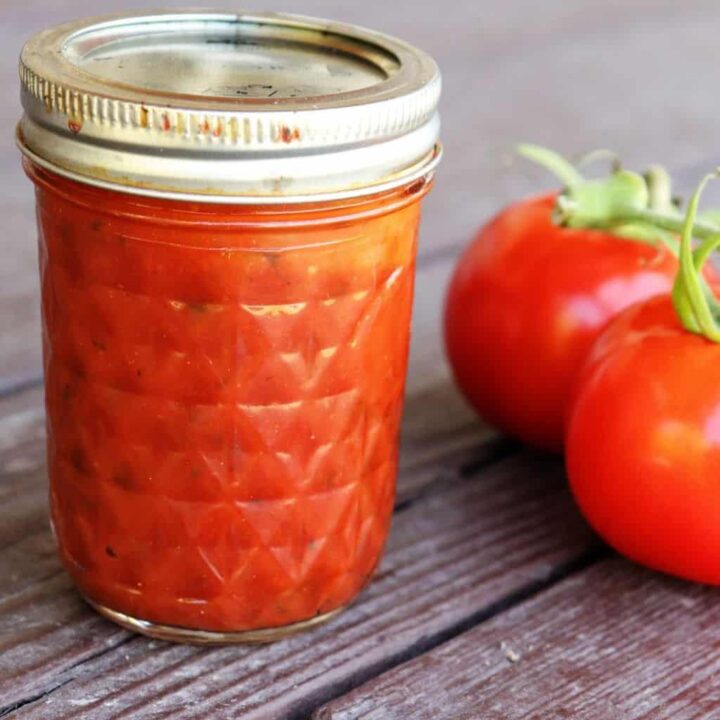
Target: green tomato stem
point(674, 223)
point(641, 208)
point(568, 214)
point(552, 161)
point(660, 189)
point(694, 302)
point(638, 207)
point(601, 154)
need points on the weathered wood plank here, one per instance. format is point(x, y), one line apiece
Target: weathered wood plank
point(612, 643)
point(44, 626)
point(454, 554)
point(498, 59)
point(22, 458)
point(461, 547)
point(440, 436)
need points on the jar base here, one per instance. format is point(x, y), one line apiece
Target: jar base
point(189, 636)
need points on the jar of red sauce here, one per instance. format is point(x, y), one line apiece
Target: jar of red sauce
point(228, 210)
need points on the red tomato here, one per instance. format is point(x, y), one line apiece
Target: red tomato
point(527, 301)
point(643, 442)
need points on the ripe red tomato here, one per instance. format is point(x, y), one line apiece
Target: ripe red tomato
point(527, 300)
point(643, 442)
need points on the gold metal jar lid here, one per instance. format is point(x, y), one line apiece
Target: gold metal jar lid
point(229, 108)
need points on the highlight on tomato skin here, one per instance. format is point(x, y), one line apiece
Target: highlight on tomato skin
point(643, 443)
point(526, 302)
point(643, 437)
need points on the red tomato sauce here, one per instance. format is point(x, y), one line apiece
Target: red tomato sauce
point(224, 389)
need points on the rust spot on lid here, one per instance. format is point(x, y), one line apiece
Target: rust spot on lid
point(166, 124)
point(287, 135)
point(75, 126)
point(415, 187)
point(205, 127)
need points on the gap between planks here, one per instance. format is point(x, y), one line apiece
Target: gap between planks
point(449, 477)
point(24, 532)
point(617, 641)
point(432, 461)
point(412, 605)
point(583, 561)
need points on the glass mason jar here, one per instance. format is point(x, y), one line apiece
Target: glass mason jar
point(228, 211)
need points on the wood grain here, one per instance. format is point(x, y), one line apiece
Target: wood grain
point(23, 491)
point(44, 626)
point(460, 545)
point(613, 643)
point(453, 556)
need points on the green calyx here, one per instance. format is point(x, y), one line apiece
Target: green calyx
point(694, 301)
point(562, 168)
point(641, 208)
point(590, 203)
point(632, 206)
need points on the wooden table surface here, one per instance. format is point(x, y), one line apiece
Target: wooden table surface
point(494, 600)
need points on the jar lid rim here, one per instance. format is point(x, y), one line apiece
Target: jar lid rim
point(163, 101)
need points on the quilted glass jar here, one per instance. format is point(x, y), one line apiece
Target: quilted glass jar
point(227, 264)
